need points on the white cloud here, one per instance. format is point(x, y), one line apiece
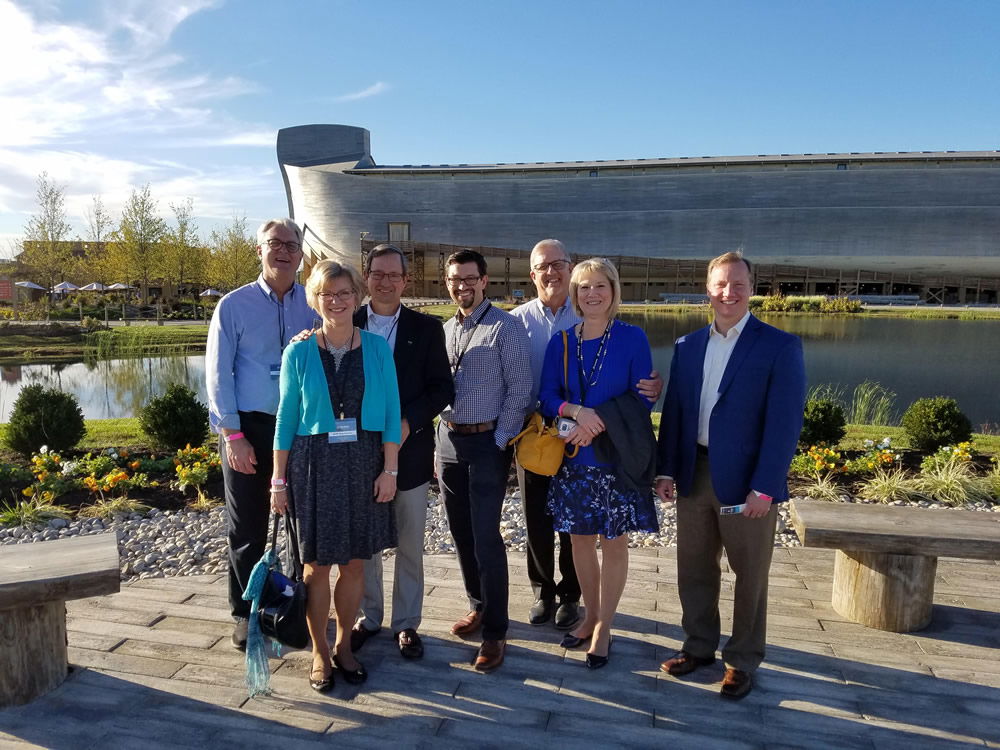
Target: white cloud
point(107, 105)
point(59, 80)
point(374, 90)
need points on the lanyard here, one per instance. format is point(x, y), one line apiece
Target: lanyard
point(281, 315)
point(457, 360)
point(588, 382)
point(339, 389)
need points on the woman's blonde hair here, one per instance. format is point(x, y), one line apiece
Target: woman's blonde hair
point(328, 270)
point(600, 265)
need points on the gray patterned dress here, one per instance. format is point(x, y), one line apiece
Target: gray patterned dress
point(331, 485)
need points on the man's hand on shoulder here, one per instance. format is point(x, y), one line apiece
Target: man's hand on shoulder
point(757, 506)
point(301, 336)
point(651, 387)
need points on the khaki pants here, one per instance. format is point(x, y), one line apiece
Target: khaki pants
point(702, 535)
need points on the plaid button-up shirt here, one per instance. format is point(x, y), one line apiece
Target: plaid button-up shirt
point(491, 362)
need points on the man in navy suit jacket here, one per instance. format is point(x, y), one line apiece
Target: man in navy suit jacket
point(731, 421)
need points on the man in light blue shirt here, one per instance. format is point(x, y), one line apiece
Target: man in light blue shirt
point(250, 328)
point(548, 314)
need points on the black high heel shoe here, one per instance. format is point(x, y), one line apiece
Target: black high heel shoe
point(595, 661)
point(353, 676)
point(321, 686)
point(571, 641)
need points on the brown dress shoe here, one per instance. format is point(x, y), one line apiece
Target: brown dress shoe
point(467, 625)
point(490, 655)
point(683, 663)
point(736, 684)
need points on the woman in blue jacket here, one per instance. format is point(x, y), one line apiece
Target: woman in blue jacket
point(336, 446)
point(606, 359)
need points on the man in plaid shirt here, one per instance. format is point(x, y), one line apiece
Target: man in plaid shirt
point(488, 350)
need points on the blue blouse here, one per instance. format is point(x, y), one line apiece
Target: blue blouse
point(627, 360)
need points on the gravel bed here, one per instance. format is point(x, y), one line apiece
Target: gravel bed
point(169, 543)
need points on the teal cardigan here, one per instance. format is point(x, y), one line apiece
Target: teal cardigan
point(305, 408)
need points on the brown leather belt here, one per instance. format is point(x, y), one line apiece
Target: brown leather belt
point(471, 429)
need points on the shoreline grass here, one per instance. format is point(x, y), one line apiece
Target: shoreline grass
point(63, 343)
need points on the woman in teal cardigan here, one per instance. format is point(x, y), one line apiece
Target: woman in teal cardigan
point(336, 447)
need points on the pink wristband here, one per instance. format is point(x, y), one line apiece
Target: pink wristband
point(233, 436)
point(561, 407)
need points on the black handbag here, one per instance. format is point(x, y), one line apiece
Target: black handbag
point(282, 608)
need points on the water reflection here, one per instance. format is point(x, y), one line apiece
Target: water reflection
point(914, 358)
point(106, 389)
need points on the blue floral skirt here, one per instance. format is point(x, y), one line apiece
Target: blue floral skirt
point(584, 500)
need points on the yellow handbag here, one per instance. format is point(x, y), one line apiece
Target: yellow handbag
point(540, 450)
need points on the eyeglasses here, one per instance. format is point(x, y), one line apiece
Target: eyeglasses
point(556, 265)
point(378, 276)
point(467, 280)
point(291, 245)
point(343, 296)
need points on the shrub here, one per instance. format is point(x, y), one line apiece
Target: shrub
point(175, 419)
point(823, 422)
point(840, 304)
point(44, 416)
point(889, 486)
point(932, 423)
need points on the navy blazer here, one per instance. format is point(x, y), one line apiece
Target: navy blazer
point(425, 388)
point(755, 425)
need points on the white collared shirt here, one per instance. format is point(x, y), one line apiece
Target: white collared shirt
point(717, 353)
point(384, 325)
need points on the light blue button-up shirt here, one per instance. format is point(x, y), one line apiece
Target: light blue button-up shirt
point(250, 329)
point(542, 325)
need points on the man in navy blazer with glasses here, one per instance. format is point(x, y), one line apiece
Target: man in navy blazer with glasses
point(731, 422)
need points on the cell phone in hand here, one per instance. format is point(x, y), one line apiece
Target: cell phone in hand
point(731, 510)
point(565, 426)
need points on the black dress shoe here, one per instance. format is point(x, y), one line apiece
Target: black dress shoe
point(359, 635)
point(541, 611)
point(353, 676)
point(324, 685)
point(567, 615)
point(594, 661)
point(239, 639)
point(571, 641)
point(410, 645)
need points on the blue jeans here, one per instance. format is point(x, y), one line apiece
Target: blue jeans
point(473, 473)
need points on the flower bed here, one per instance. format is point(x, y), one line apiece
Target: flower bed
point(108, 483)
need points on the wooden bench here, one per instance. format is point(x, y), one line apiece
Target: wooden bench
point(886, 560)
point(36, 580)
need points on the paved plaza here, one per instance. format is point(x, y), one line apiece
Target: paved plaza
point(153, 668)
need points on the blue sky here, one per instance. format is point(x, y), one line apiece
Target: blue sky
point(189, 96)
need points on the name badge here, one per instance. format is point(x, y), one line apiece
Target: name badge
point(275, 371)
point(345, 431)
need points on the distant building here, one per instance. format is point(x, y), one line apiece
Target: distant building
point(924, 223)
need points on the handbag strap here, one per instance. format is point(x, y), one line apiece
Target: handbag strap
point(566, 363)
point(291, 545)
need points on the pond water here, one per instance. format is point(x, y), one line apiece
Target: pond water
point(914, 358)
point(106, 389)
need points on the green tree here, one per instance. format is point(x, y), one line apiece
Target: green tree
point(185, 260)
point(96, 265)
point(234, 260)
point(135, 251)
point(47, 255)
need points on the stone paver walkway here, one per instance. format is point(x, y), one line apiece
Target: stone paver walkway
point(154, 669)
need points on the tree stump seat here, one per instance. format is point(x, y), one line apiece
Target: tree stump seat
point(886, 556)
point(36, 580)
